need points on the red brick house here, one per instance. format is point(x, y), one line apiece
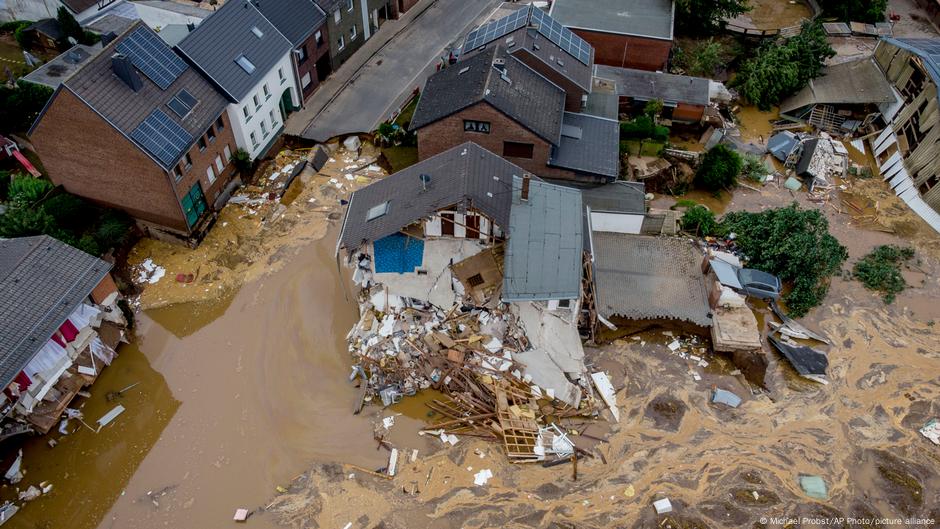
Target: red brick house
point(303, 23)
point(137, 129)
point(625, 33)
point(496, 101)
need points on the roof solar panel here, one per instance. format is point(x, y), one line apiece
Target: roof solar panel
point(493, 30)
point(152, 56)
point(563, 37)
point(162, 137)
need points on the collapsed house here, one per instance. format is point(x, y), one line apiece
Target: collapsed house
point(817, 159)
point(61, 327)
point(684, 98)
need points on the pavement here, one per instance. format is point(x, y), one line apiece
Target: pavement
point(381, 75)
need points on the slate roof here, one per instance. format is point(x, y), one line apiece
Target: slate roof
point(641, 18)
point(77, 6)
point(220, 39)
point(47, 26)
point(643, 85)
point(466, 174)
point(98, 86)
point(782, 144)
point(642, 278)
point(528, 98)
point(543, 257)
point(853, 82)
point(589, 144)
point(295, 19)
point(330, 5)
point(616, 197)
point(42, 281)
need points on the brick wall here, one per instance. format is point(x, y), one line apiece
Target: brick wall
point(573, 92)
point(309, 65)
point(203, 159)
point(627, 52)
point(689, 113)
point(105, 288)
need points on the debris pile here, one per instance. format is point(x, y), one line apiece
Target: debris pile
point(402, 346)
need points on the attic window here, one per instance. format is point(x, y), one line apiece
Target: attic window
point(377, 211)
point(475, 280)
point(536, 47)
point(182, 103)
point(246, 65)
point(463, 70)
point(258, 33)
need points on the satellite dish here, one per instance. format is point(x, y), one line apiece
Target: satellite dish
point(425, 180)
point(72, 41)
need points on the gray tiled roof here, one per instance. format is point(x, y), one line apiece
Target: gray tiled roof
point(639, 277)
point(330, 5)
point(105, 93)
point(589, 144)
point(670, 88)
point(466, 173)
point(528, 98)
point(543, 258)
point(42, 280)
point(616, 197)
point(296, 19)
point(854, 82)
point(220, 39)
point(641, 18)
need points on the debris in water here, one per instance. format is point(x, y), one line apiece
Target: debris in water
point(110, 416)
point(481, 477)
point(931, 431)
point(814, 487)
point(150, 272)
point(725, 397)
point(607, 392)
point(241, 515)
point(662, 506)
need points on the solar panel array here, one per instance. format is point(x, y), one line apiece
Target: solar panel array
point(152, 56)
point(493, 30)
point(162, 137)
point(563, 37)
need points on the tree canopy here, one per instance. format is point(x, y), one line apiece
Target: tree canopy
point(719, 169)
point(780, 69)
point(869, 11)
point(20, 105)
point(703, 17)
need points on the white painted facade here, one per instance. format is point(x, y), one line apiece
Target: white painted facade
point(616, 222)
point(256, 119)
point(433, 226)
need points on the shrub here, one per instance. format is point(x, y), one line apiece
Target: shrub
point(113, 230)
point(881, 270)
point(26, 189)
point(754, 168)
point(719, 169)
point(868, 11)
point(23, 221)
point(701, 60)
point(69, 210)
point(641, 128)
point(794, 244)
point(21, 104)
point(242, 161)
point(701, 221)
point(707, 16)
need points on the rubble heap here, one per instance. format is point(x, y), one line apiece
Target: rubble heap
point(402, 346)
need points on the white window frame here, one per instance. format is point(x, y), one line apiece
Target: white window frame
point(305, 80)
point(337, 16)
point(280, 75)
point(267, 92)
point(227, 151)
point(342, 43)
point(353, 32)
point(254, 140)
point(273, 119)
point(350, 5)
point(264, 129)
point(257, 101)
point(210, 174)
point(218, 164)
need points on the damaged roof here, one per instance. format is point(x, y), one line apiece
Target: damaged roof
point(42, 281)
point(521, 93)
point(589, 144)
point(467, 174)
point(543, 257)
point(649, 278)
point(850, 83)
point(639, 18)
point(643, 85)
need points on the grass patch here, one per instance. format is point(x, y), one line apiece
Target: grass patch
point(881, 270)
point(641, 148)
point(400, 157)
point(404, 118)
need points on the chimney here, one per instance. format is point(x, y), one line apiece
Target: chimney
point(108, 38)
point(125, 71)
point(525, 187)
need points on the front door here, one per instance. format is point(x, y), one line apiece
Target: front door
point(194, 204)
point(473, 227)
point(447, 224)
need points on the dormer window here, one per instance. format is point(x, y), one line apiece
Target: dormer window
point(245, 64)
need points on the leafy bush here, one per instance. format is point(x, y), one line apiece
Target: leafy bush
point(242, 161)
point(701, 17)
point(21, 104)
point(780, 69)
point(643, 127)
point(701, 221)
point(700, 60)
point(13, 25)
point(868, 11)
point(795, 245)
point(69, 210)
point(113, 230)
point(754, 168)
point(27, 189)
point(719, 169)
point(881, 270)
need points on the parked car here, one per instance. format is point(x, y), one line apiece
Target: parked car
point(757, 284)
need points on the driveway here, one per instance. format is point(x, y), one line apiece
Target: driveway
point(378, 77)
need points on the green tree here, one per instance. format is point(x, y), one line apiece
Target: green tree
point(795, 245)
point(701, 221)
point(26, 190)
point(780, 69)
point(242, 162)
point(20, 105)
point(881, 270)
point(701, 60)
point(653, 108)
point(754, 168)
point(869, 11)
point(703, 17)
point(71, 28)
point(719, 168)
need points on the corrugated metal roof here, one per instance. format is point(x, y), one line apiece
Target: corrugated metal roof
point(522, 94)
point(854, 82)
point(220, 39)
point(296, 19)
point(593, 149)
point(641, 278)
point(466, 173)
point(641, 18)
point(543, 259)
point(670, 88)
point(42, 281)
point(616, 197)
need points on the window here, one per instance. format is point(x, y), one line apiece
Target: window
point(189, 162)
point(245, 64)
point(254, 140)
point(341, 43)
point(377, 211)
point(482, 127)
point(305, 80)
point(280, 75)
point(301, 54)
point(177, 173)
point(210, 174)
point(564, 304)
point(349, 5)
point(210, 134)
point(245, 111)
point(257, 101)
point(264, 129)
point(273, 119)
point(337, 16)
point(228, 153)
point(267, 93)
point(475, 280)
point(219, 164)
point(353, 33)
point(220, 124)
point(318, 36)
point(202, 143)
point(518, 150)
point(258, 33)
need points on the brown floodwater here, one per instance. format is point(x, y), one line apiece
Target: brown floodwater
point(775, 14)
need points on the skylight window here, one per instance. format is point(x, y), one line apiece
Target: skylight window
point(377, 211)
point(258, 33)
point(246, 65)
